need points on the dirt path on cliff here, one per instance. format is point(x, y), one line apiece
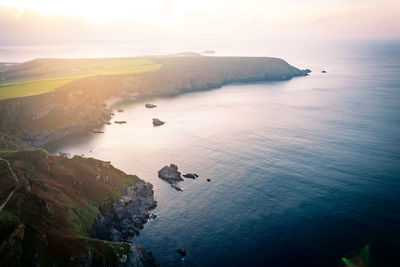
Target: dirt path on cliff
point(12, 192)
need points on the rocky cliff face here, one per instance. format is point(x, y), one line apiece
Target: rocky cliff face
point(126, 216)
point(42, 118)
point(124, 220)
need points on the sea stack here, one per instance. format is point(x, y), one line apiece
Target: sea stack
point(170, 174)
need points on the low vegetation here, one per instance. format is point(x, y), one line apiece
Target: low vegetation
point(43, 75)
point(53, 207)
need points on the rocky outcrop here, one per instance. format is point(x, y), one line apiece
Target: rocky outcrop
point(133, 256)
point(126, 216)
point(150, 105)
point(125, 219)
point(190, 175)
point(157, 122)
point(170, 174)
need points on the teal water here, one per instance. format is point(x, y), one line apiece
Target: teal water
point(302, 171)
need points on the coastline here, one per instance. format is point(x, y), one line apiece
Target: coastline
point(82, 105)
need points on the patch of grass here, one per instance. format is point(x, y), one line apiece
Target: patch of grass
point(27, 88)
point(44, 75)
point(8, 223)
point(6, 215)
point(82, 218)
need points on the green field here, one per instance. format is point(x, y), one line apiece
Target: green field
point(42, 75)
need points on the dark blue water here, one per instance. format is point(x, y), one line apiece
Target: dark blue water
point(302, 172)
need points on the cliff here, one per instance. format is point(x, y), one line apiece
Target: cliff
point(48, 205)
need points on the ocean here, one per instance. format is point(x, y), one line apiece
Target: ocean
point(303, 172)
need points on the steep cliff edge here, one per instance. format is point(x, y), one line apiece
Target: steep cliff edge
point(78, 106)
point(49, 204)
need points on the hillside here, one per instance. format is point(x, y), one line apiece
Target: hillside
point(43, 75)
point(48, 205)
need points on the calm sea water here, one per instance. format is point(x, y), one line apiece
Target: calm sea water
point(302, 171)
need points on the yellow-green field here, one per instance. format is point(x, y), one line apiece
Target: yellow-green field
point(43, 75)
point(18, 89)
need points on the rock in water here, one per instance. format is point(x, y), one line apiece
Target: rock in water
point(324, 71)
point(120, 122)
point(170, 174)
point(208, 180)
point(150, 105)
point(190, 176)
point(157, 122)
point(182, 252)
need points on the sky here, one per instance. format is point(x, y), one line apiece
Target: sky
point(76, 28)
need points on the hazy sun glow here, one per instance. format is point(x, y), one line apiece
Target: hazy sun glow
point(99, 11)
point(187, 24)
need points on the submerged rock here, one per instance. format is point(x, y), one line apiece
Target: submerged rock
point(148, 105)
point(170, 174)
point(97, 131)
point(120, 110)
point(190, 175)
point(157, 122)
point(182, 252)
point(177, 188)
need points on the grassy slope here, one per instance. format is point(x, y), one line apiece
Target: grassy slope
point(42, 75)
point(53, 207)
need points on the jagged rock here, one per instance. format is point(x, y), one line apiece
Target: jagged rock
point(157, 122)
point(190, 175)
point(150, 105)
point(182, 252)
point(170, 174)
point(127, 216)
